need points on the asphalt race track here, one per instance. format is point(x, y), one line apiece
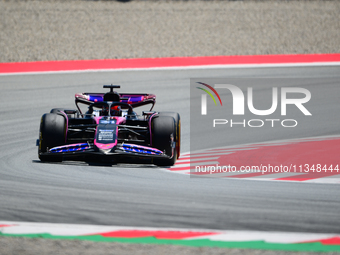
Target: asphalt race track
point(136, 195)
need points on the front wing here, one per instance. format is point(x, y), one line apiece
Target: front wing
point(128, 150)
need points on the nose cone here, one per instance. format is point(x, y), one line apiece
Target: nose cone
point(106, 148)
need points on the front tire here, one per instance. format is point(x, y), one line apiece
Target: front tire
point(52, 133)
point(177, 137)
point(163, 133)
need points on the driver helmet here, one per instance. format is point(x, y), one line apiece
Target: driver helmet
point(116, 111)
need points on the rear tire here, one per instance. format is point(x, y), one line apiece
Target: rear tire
point(163, 129)
point(52, 133)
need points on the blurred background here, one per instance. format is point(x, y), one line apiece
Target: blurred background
point(70, 30)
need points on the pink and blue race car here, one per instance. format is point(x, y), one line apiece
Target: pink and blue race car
point(110, 130)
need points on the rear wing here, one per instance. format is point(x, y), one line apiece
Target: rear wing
point(133, 99)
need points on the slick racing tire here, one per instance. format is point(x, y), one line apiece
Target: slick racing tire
point(177, 137)
point(52, 133)
point(163, 132)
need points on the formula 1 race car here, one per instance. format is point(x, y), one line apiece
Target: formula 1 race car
point(110, 130)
